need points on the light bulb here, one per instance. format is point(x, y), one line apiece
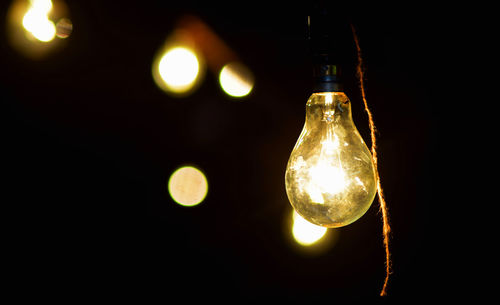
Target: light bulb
point(330, 177)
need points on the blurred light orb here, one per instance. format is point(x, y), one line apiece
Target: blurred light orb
point(179, 68)
point(37, 22)
point(32, 27)
point(64, 27)
point(236, 79)
point(306, 233)
point(188, 186)
point(43, 6)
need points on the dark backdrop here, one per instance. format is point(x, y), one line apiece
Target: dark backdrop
point(89, 141)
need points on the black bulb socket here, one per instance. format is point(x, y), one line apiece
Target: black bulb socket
point(326, 78)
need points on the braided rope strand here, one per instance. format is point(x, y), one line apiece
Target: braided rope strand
point(380, 193)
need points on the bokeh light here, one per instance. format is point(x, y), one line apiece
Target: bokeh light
point(179, 68)
point(306, 238)
point(32, 26)
point(37, 22)
point(64, 27)
point(188, 186)
point(236, 79)
point(304, 232)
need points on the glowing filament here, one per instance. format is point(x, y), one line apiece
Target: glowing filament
point(325, 179)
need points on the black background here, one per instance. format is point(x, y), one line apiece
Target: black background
point(89, 142)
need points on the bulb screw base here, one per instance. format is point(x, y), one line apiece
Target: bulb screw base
point(326, 78)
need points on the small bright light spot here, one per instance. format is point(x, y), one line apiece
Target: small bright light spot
point(64, 27)
point(179, 68)
point(188, 186)
point(236, 79)
point(36, 20)
point(304, 232)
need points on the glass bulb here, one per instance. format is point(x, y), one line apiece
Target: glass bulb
point(330, 177)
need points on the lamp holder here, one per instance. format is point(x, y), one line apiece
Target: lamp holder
point(328, 34)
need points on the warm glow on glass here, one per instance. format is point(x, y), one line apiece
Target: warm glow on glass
point(304, 232)
point(188, 186)
point(36, 20)
point(236, 79)
point(178, 68)
point(330, 177)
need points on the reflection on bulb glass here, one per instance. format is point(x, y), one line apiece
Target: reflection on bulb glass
point(330, 177)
